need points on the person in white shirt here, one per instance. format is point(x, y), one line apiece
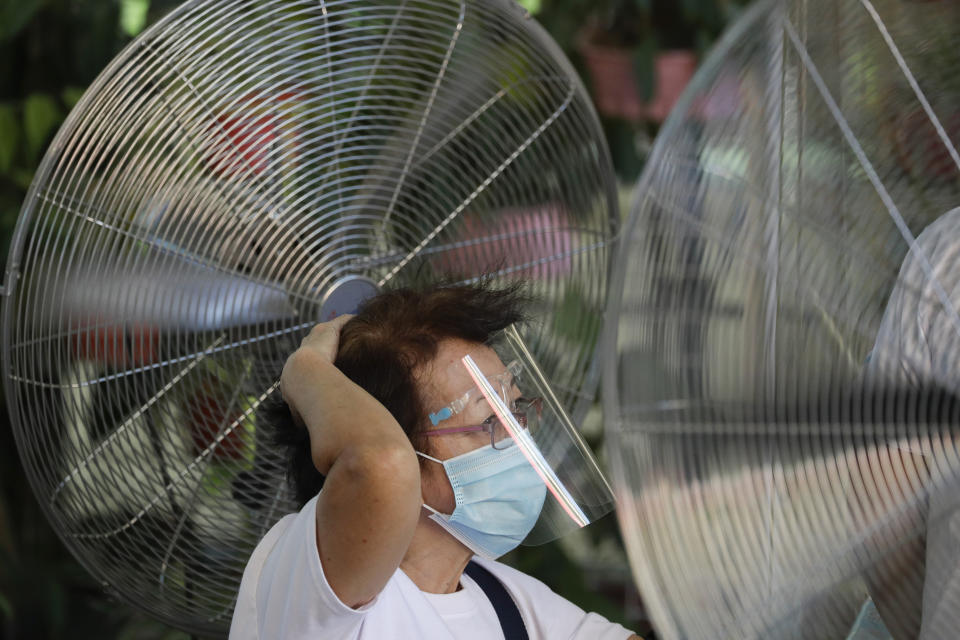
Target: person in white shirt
point(395, 506)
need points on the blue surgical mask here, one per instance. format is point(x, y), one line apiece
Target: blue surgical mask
point(498, 495)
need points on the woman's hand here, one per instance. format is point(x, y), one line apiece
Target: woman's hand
point(319, 346)
point(325, 337)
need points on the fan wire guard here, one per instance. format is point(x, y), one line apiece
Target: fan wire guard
point(782, 440)
point(234, 173)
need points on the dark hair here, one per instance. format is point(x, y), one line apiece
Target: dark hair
point(392, 334)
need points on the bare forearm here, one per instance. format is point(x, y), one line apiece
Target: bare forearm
point(368, 509)
point(366, 516)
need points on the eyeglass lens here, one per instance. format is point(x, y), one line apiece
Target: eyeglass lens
point(526, 416)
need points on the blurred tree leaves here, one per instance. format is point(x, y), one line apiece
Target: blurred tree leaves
point(9, 137)
point(533, 6)
point(42, 114)
point(71, 96)
point(26, 128)
point(133, 16)
point(14, 14)
point(49, 51)
point(48, 48)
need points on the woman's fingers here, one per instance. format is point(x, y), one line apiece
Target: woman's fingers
point(325, 337)
point(323, 341)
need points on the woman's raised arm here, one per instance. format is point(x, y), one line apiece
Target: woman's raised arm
point(370, 503)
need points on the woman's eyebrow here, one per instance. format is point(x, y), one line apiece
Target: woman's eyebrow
point(513, 385)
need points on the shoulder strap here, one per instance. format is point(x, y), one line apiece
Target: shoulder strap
point(510, 620)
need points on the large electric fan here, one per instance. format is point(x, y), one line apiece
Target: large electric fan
point(241, 171)
point(783, 360)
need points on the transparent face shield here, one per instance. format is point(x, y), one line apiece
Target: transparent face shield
point(511, 412)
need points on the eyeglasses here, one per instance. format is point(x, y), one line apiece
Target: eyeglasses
point(527, 413)
point(502, 382)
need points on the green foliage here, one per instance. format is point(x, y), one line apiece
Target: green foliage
point(533, 6)
point(6, 608)
point(26, 127)
point(70, 96)
point(14, 14)
point(133, 16)
point(9, 137)
point(41, 116)
point(49, 50)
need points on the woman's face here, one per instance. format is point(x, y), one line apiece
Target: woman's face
point(442, 381)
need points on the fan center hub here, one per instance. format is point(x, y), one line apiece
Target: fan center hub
point(346, 295)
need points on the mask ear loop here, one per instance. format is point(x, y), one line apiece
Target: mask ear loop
point(434, 511)
point(423, 455)
point(444, 516)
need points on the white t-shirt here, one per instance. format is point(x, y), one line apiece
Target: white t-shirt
point(284, 595)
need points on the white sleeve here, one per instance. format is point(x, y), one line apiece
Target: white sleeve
point(549, 616)
point(593, 625)
point(286, 589)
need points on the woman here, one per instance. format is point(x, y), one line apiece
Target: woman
point(381, 551)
